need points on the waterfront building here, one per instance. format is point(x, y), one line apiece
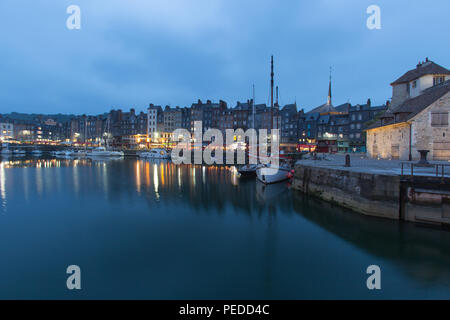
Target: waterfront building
point(289, 123)
point(359, 115)
point(172, 119)
point(242, 115)
point(6, 131)
point(337, 129)
point(24, 131)
point(227, 121)
point(154, 118)
point(204, 112)
point(186, 118)
point(418, 117)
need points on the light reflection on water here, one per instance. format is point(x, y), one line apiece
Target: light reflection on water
point(150, 229)
point(3, 187)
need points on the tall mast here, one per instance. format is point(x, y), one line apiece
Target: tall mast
point(271, 92)
point(85, 134)
point(253, 107)
point(271, 83)
point(276, 99)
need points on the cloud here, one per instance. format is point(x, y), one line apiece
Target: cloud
point(130, 53)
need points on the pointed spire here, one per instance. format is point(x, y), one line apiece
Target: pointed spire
point(329, 91)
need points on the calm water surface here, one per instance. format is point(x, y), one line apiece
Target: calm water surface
point(153, 230)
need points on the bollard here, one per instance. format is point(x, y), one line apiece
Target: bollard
point(347, 160)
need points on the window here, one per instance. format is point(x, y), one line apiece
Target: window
point(353, 117)
point(438, 80)
point(414, 84)
point(439, 118)
point(360, 116)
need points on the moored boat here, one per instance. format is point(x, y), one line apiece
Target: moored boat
point(36, 152)
point(19, 152)
point(103, 152)
point(156, 154)
point(248, 170)
point(272, 173)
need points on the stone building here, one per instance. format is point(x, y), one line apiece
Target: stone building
point(418, 118)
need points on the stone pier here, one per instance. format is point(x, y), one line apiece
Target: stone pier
point(377, 188)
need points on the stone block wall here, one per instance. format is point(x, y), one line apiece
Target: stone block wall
point(370, 194)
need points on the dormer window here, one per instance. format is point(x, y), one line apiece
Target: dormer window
point(438, 80)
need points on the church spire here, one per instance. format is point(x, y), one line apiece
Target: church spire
point(329, 90)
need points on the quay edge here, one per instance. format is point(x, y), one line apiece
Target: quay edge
point(421, 199)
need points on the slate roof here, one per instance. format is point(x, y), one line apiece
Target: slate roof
point(345, 107)
point(428, 67)
point(325, 108)
point(415, 105)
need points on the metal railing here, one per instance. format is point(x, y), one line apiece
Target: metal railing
point(439, 169)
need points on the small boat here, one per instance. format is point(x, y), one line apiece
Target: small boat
point(79, 153)
point(248, 170)
point(156, 154)
point(102, 152)
point(272, 173)
point(69, 153)
point(36, 152)
point(19, 152)
point(59, 153)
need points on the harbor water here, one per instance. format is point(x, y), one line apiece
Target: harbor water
point(153, 230)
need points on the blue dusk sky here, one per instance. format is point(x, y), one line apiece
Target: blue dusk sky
point(130, 53)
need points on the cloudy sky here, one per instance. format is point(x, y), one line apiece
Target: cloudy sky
point(129, 53)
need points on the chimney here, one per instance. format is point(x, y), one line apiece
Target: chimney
point(369, 103)
point(208, 102)
point(199, 102)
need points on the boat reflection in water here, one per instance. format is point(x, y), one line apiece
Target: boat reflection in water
point(151, 229)
point(268, 193)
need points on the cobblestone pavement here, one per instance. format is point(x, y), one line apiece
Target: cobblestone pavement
point(360, 163)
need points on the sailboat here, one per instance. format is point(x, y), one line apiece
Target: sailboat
point(101, 152)
point(19, 152)
point(273, 173)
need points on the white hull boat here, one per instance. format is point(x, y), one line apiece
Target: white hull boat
point(36, 153)
point(273, 173)
point(155, 154)
point(248, 170)
point(59, 153)
point(19, 152)
point(102, 152)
